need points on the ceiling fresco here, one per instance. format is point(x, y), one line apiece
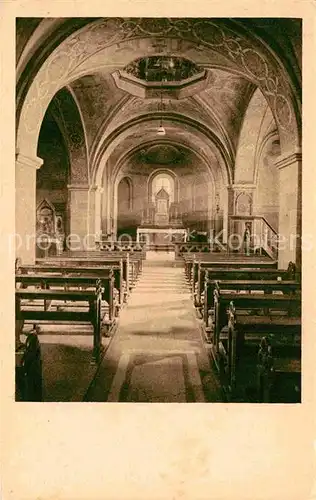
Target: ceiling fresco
point(165, 49)
point(202, 74)
point(163, 69)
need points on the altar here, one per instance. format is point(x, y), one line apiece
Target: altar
point(161, 236)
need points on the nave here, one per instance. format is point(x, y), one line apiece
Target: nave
point(158, 235)
point(158, 354)
point(197, 328)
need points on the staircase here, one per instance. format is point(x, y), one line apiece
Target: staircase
point(264, 238)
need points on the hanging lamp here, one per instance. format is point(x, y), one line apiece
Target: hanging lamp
point(161, 129)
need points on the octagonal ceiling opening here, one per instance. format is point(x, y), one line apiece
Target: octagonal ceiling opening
point(162, 68)
point(177, 76)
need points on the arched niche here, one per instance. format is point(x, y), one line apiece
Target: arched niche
point(124, 195)
point(243, 204)
point(124, 222)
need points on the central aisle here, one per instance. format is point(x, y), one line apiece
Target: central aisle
point(157, 354)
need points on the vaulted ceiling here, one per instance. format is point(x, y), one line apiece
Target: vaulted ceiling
point(118, 119)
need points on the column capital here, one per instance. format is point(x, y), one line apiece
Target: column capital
point(242, 187)
point(288, 159)
point(26, 161)
point(97, 189)
point(78, 187)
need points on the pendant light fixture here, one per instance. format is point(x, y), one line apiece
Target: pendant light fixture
point(161, 129)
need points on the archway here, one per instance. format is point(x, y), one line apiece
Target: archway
point(221, 43)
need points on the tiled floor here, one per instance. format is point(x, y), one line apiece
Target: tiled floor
point(157, 354)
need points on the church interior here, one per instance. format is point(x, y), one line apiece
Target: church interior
point(158, 210)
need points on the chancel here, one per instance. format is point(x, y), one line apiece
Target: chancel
point(158, 210)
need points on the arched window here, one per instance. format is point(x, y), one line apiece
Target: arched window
point(124, 195)
point(162, 181)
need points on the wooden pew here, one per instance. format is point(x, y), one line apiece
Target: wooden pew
point(232, 274)
point(211, 260)
point(131, 264)
point(110, 276)
point(40, 313)
point(281, 316)
point(244, 365)
point(120, 267)
point(266, 286)
point(28, 367)
point(201, 268)
point(49, 281)
point(251, 302)
point(278, 371)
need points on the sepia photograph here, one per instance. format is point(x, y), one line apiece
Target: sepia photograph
point(157, 245)
point(158, 229)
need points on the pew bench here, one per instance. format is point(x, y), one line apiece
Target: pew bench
point(287, 287)
point(31, 305)
point(120, 268)
point(257, 350)
point(110, 277)
point(71, 283)
point(28, 367)
point(200, 269)
point(230, 274)
point(239, 328)
point(131, 265)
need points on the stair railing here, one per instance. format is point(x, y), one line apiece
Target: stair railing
point(263, 238)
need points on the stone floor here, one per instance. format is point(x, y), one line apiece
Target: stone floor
point(157, 354)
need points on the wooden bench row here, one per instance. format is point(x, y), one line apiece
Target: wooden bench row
point(196, 264)
point(256, 329)
point(77, 288)
point(130, 264)
point(252, 323)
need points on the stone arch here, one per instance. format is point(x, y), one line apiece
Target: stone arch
point(111, 142)
point(67, 111)
point(266, 195)
point(103, 176)
point(204, 157)
point(240, 50)
point(245, 164)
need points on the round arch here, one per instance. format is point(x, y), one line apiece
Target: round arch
point(129, 128)
point(244, 52)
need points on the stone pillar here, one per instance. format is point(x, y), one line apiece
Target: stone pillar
point(95, 198)
point(78, 202)
point(230, 208)
point(106, 210)
point(113, 208)
point(25, 207)
point(290, 211)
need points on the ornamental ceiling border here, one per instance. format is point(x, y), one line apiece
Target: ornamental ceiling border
point(205, 160)
point(174, 118)
point(108, 146)
point(255, 64)
point(200, 112)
